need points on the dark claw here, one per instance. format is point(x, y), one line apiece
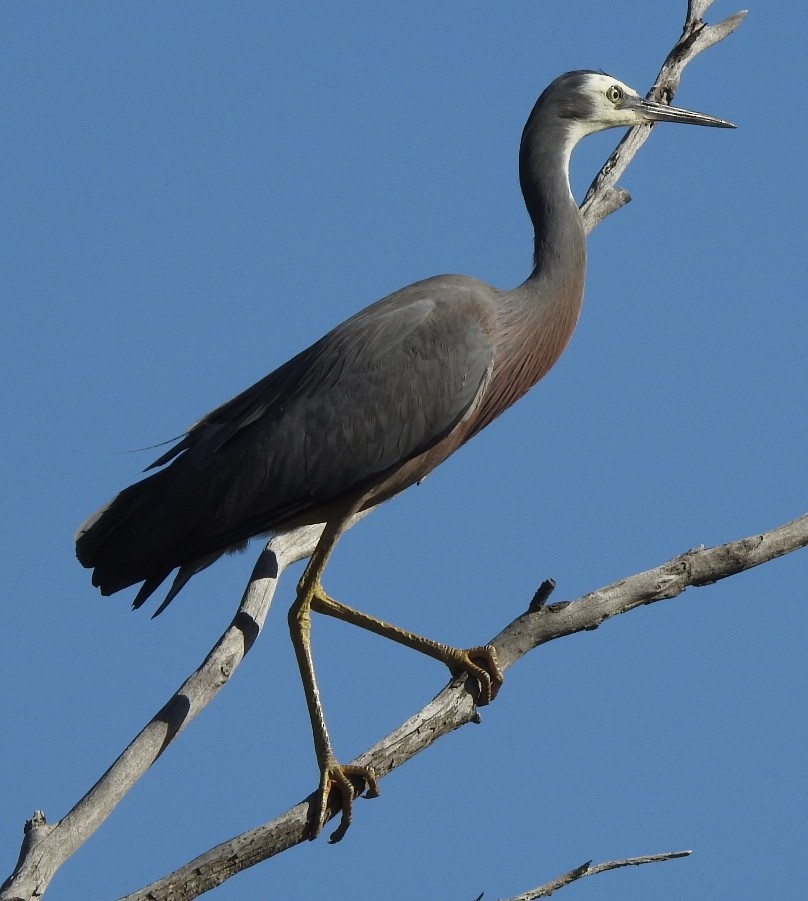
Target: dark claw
point(481, 664)
point(343, 779)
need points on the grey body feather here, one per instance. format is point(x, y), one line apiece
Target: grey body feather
point(367, 410)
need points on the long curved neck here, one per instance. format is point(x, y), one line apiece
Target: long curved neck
point(559, 247)
point(536, 319)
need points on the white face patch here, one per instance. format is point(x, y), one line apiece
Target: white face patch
point(606, 95)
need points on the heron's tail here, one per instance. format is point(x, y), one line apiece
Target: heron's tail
point(138, 537)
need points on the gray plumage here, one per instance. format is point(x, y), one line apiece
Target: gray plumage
point(383, 398)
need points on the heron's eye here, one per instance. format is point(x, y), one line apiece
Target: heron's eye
point(614, 94)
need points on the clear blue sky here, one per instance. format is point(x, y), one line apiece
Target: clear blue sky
point(191, 193)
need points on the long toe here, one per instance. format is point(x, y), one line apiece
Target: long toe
point(481, 664)
point(349, 782)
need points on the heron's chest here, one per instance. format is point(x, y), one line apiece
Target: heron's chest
point(527, 352)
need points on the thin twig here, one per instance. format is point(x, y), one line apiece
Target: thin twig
point(544, 891)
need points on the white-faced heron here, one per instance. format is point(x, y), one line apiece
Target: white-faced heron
point(370, 409)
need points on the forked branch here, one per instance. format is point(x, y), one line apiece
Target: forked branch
point(549, 888)
point(603, 196)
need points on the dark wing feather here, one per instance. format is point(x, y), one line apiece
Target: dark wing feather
point(378, 390)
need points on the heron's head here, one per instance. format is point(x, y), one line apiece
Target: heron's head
point(591, 101)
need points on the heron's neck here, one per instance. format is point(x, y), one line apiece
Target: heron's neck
point(559, 247)
point(538, 317)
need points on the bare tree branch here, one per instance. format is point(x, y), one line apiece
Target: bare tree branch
point(454, 706)
point(603, 196)
point(544, 891)
point(46, 847)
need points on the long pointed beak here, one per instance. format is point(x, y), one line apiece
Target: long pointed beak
point(652, 111)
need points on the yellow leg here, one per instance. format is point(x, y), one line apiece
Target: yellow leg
point(480, 663)
point(349, 781)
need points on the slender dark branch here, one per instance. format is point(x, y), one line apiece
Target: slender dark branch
point(454, 706)
point(544, 891)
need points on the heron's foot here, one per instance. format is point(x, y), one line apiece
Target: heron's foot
point(349, 782)
point(481, 664)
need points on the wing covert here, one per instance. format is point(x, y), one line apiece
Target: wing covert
point(379, 389)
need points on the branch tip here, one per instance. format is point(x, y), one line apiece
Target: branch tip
point(543, 592)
